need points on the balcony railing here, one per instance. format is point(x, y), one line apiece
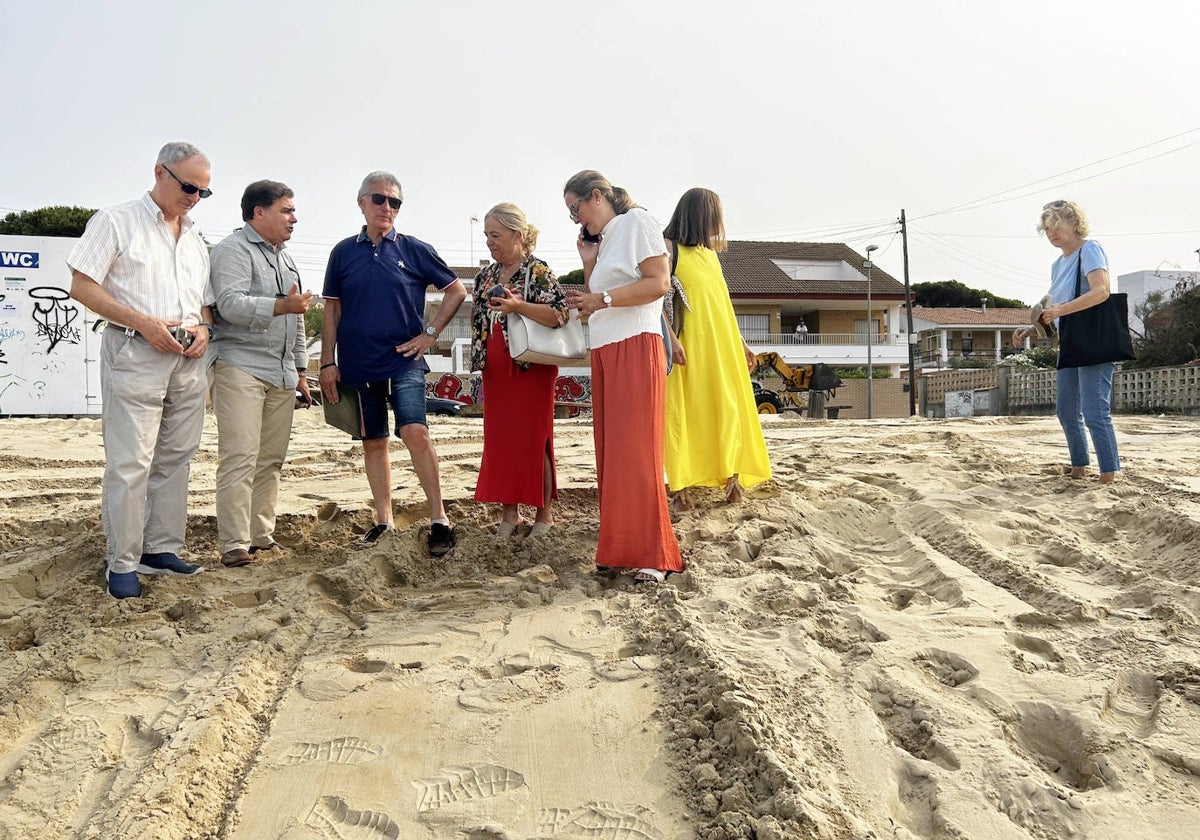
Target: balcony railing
point(824, 339)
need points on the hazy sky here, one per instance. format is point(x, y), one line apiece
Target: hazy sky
point(814, 121)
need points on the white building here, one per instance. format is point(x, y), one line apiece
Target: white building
point(1141, 284)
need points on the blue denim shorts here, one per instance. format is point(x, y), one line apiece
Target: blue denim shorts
point(406, 396)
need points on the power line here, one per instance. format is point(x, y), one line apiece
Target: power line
point(1099, 234)
point(987, 201)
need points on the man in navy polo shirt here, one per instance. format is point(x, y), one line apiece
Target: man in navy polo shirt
point(374, 309)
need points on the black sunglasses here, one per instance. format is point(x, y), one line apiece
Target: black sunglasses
point(190, 189)
point(379, 198)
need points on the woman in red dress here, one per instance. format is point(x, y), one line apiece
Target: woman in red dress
point(518, 399)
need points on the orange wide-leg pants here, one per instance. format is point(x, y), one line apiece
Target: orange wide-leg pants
point(629, 380)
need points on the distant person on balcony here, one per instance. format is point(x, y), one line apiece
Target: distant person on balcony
point(625, 276)
point(518, 417)
point(802, 332)
point(374, 323)
point(713, 434)
point(1084, 393)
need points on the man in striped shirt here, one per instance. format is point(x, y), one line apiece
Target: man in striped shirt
point(143, 268)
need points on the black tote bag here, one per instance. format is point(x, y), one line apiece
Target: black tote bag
point(1097, 334)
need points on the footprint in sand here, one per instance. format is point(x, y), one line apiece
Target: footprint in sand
point(919, 808)
point(946, 667)
point(1062, 745)
point(910, 726)
point(1131, 703)
point(1033, 654)
point(598, 821)
point(343, 751)
point(336, 820)
point(465, 784)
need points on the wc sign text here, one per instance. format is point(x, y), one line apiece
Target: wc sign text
point(18, 259)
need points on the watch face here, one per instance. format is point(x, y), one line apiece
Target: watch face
point(431, 331)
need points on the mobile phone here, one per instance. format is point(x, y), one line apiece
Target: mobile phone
point(588, 237)
point(184, 337)
point(496, 291)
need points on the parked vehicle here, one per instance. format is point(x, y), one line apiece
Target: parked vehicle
point(798, 382)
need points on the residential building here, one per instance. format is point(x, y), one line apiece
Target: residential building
point(945, 333)
point(777, 285)
point(1139, 285)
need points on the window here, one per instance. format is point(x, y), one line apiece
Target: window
point(754, 327)
point(860, 331)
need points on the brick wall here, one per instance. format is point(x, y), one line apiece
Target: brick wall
point(888, 399)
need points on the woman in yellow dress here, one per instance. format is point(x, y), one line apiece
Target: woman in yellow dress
point(713, 434)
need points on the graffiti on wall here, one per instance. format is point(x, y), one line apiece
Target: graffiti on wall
point(575, 392)
point(55, 318)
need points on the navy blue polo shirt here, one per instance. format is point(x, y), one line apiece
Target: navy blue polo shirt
point(382, 292)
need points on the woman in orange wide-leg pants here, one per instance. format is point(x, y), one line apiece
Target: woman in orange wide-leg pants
point(628, 398)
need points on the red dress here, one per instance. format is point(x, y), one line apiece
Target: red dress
point(518, 428)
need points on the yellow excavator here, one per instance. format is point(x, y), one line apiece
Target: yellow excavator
point(798, 382)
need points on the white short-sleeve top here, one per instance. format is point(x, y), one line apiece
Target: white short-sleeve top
point(627, 239)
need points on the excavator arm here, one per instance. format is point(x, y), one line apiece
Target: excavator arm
point(817, 377)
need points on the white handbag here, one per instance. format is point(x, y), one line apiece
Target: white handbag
point(536, 344)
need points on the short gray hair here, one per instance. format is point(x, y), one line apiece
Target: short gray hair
point(378, 177)
point(178, 151)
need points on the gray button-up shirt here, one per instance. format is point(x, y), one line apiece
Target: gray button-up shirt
point(247, 276)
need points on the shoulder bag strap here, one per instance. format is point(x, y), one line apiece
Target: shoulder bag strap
point(1079, 272)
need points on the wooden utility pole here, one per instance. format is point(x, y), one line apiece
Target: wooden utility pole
point(912, 362)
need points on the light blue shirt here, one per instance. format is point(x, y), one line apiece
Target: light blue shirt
point(1065, 269)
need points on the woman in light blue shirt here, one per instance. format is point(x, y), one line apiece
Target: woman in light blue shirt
point(1084, 393)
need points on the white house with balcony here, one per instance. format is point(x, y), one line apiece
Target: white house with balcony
point(946, 333)
point(846, 308)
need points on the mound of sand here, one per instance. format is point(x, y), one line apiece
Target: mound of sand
point(916, 630)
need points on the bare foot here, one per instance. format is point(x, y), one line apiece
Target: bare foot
point(733, 491)
point(1078, 472)
point(1108, 478)
point(681, 501)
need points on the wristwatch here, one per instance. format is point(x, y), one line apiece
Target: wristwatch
point(431, 331)
point(607, 299)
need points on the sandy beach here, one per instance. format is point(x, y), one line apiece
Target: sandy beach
point(917, 629)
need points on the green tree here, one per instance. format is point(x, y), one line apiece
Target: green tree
point(1172, 328)
point(574, 277)
point(47, 221)
point(314, 320)
point(954, 293)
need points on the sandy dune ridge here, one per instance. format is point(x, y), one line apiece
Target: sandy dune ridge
point(918, 629)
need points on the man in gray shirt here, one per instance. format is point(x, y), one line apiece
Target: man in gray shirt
point(259, 363)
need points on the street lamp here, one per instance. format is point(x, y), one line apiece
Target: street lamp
point(868, 265)
point(471, 244)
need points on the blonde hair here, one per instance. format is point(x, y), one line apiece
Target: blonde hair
point(511, 216)
point(1064, 212)
point(581, 185)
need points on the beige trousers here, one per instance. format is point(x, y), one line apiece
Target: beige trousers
point(152, 416)
point(254, 425)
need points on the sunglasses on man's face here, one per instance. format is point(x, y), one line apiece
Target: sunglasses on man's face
point(378, 198)
point(190, 189)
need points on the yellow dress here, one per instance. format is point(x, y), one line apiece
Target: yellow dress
point(712, 426)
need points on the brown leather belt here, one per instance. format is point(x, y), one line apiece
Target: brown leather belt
point(111, 325)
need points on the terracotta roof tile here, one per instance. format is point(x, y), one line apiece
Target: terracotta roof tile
point(954, 315)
